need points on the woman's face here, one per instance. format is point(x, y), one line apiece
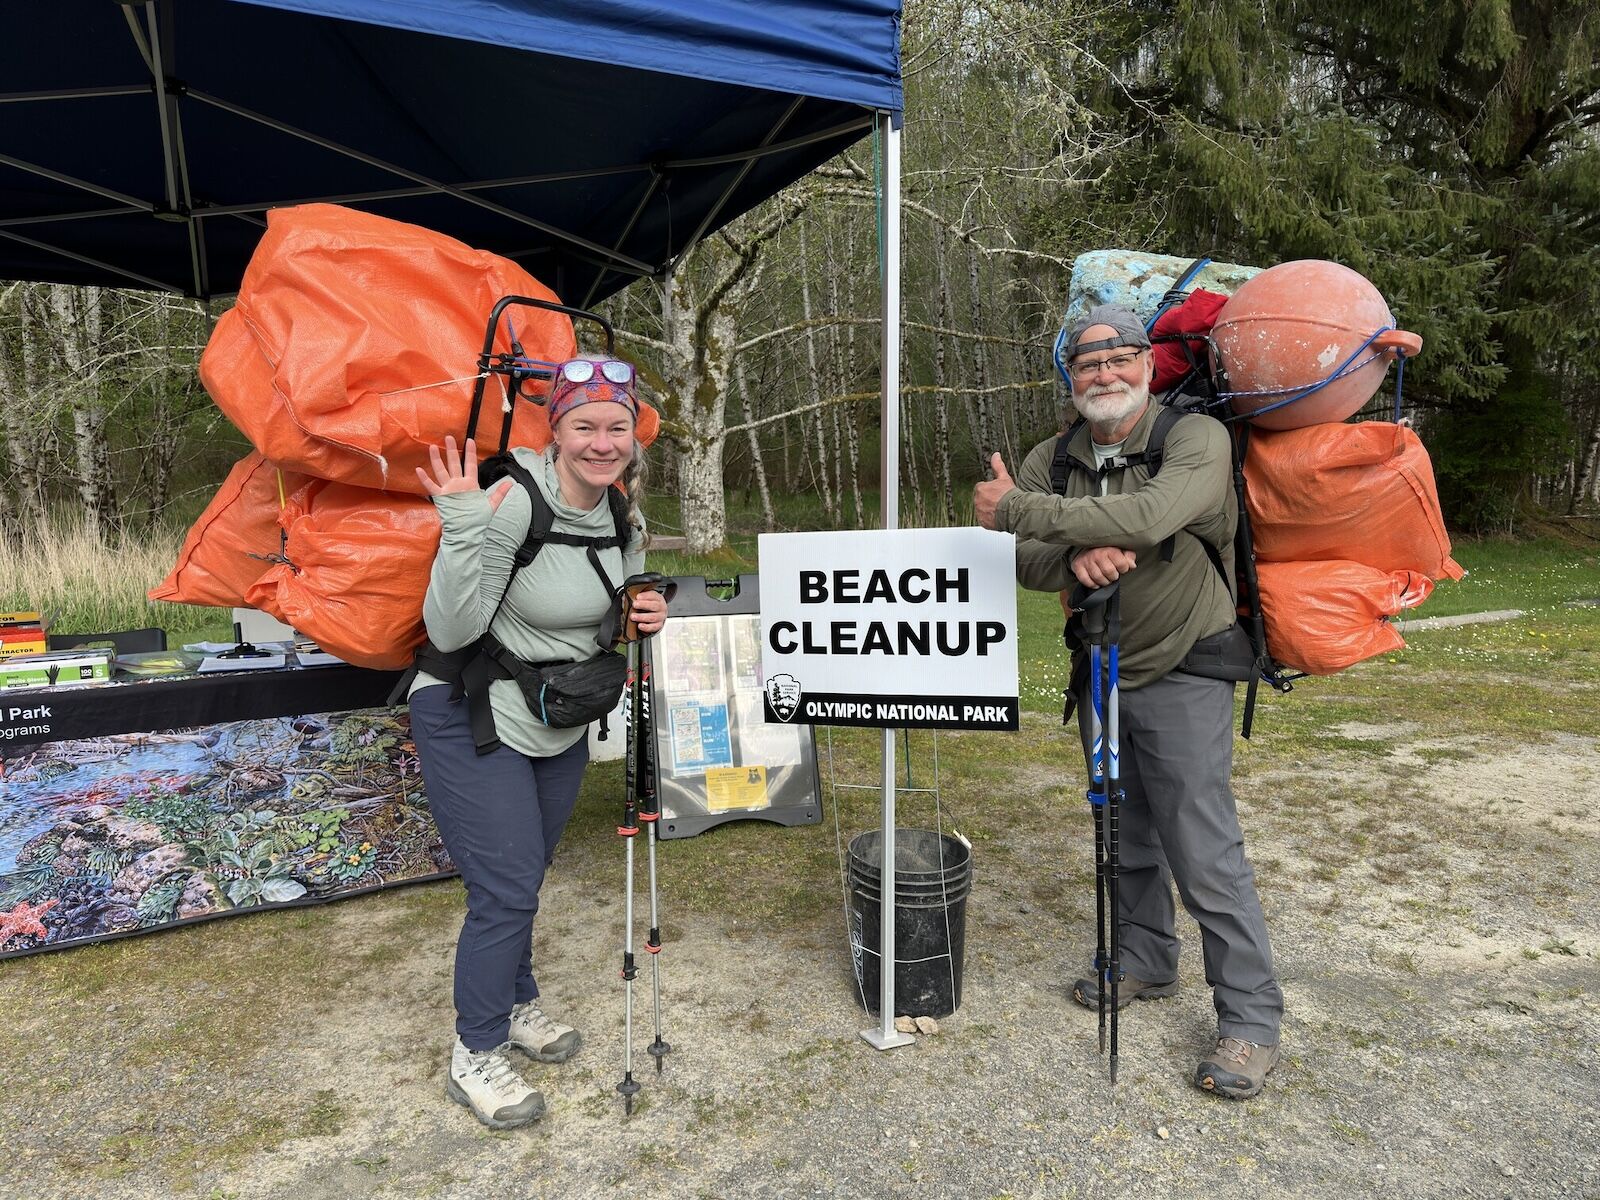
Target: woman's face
point(594, 443)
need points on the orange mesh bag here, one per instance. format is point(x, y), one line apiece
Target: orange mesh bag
point(1360, 492)
point(359, 563)
point(226, 549)
point(354, 343)
point(1325, 616)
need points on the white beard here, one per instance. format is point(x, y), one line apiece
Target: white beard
point(1107, 407)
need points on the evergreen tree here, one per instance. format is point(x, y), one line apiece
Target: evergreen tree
point(1446, 150)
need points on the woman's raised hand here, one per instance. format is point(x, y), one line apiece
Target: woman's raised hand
point(447, 477)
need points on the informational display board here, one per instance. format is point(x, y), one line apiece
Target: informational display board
point(896, 628)
point(717, 759)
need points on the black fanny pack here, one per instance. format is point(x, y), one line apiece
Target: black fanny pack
point(566, 695)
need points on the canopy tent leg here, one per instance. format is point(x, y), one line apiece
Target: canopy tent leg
point(885, 1036)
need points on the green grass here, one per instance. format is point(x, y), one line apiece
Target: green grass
point(1501, 574)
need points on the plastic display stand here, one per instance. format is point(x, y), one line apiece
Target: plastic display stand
point(717, 759)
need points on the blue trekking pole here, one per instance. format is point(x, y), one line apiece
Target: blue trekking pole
point(1101, 622)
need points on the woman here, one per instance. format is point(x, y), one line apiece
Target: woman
point(501, 812)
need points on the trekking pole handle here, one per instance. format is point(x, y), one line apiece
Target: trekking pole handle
point(635, 586)
point(1092, 607)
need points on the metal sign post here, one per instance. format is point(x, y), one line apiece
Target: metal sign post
point(886, 1037)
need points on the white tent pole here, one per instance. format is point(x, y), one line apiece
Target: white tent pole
point(886, 1037)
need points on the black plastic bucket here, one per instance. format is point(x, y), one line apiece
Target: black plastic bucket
point(933, 876)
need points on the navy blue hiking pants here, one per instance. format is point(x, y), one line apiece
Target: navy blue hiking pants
point(501, 815)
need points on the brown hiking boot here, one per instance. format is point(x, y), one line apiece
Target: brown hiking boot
point(1236, 1069)
point(1086, 991)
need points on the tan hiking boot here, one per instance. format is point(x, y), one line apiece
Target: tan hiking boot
point(1236, 1069)
point(485, 1082)
point(537, 1036)
point(1086, 991)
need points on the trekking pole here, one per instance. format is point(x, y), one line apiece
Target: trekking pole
point(1114, 797)
point(629, 829)
point(1101, 625)
point(649, 803)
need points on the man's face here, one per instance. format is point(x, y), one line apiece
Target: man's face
point(1110, 385)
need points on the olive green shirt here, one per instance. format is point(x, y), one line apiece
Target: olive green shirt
point(553, 608)
point(1166, 606)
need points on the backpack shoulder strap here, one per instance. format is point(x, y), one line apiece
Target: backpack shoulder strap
point(1156, 447)
point(619, 516)
point(541, 521)
point(1062, 464)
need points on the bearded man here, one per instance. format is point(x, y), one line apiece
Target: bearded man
point(1096, 510)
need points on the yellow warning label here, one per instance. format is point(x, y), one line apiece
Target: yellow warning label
point(729, 788)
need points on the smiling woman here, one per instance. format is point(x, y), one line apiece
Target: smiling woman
point(525, 579)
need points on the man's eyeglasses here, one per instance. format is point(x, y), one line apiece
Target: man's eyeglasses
point(1119, 362)
point(582, 370)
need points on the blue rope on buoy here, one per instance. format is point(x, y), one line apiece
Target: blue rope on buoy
point(1348, 367)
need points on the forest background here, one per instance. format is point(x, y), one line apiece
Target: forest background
point(1447, 151)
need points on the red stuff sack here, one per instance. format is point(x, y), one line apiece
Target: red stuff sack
point(1197, 314)
point(359, 563)
point(1359, 492)
point(1325, 616)
point(354, 343)
point(226, 550)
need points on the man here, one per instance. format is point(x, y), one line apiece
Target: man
point(1167, 538)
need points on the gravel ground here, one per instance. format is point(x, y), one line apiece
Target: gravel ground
point(1433, 915)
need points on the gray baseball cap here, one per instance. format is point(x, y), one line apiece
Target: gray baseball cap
point(1130, 332)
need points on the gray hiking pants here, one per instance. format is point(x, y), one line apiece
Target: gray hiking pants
point(1178, 823)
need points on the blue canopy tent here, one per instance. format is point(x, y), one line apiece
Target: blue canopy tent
point(593, 141)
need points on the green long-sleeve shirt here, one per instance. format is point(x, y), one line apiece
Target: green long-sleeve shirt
point(1166, 606)
point(553, 608)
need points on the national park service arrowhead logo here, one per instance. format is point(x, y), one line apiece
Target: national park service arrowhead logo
point(783, 696)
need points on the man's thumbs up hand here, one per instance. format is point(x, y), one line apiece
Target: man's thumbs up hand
point(986, 496)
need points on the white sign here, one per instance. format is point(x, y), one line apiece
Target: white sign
point(890, 628)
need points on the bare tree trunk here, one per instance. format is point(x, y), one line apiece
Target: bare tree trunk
point(696, 377)
point(759, 467)
point(75, 315)
point(844, 363)
point(21, 393)
point(941, 412)
point(980, 365)
point(814, 382)
point(1587, 481)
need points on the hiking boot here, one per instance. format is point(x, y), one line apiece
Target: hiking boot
point(1086, 991)
point(537, 1036)
point(485, 1082)
point(1236, 1069)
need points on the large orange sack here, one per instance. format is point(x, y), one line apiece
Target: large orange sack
point(1325, 616)
point(358, 567)
point(354, 342)
point(227, 549)
point(1360, 492)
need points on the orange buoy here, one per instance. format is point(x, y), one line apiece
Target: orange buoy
point(1295, 341)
